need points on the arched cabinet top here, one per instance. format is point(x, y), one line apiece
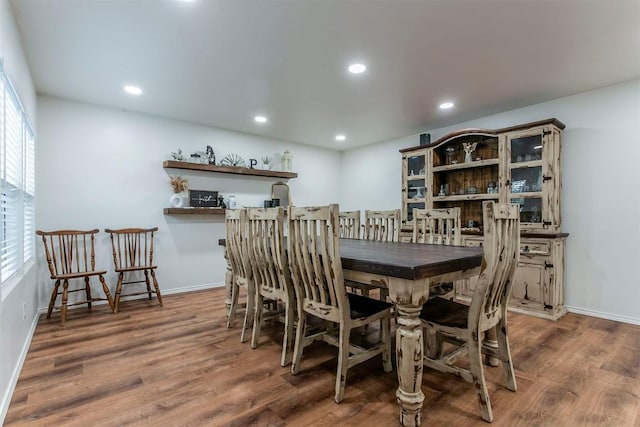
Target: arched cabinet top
point(486, 132)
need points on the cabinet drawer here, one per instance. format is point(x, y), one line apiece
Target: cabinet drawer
point(535, 248)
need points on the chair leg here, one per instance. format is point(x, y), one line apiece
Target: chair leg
point(505, 356)
point(301, 332)
point(87, 290)
point(65, 296)
point(343, 362)
point(257, 320)
point(287, 341)
point(107, 294)
point(54, 296)
point(157, 288)
point(116, 304)
point(235, 290)
point(386, 339)
point(248, 314)
point(146, 279)
point(477, 372)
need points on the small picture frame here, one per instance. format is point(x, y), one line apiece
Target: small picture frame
point(203, 199)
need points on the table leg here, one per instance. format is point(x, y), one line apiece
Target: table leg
point(409, 348)
point(228, 282)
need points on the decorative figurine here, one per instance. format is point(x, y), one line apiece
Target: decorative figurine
point(221, 203)
point(468, 149)
point(442, 191)
point(177, 155)
point(211, 156)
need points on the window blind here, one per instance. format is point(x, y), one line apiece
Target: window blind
point(17, 187)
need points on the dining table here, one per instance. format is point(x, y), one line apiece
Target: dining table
point(408, 271)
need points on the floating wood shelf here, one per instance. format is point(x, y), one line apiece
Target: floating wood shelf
point(227, 169)
point(194, 211)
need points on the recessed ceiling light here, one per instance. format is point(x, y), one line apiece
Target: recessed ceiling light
point(446, 105)
point(260, 119)
point(340, 137)
point(133, 90)
point(357, 68)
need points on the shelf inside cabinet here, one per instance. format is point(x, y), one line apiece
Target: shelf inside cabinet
point(194, 211)
point(228, 169)
point(531, 164)
point(463, 197)
point(467, 165)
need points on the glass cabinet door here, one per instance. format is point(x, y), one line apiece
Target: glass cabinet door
point(414, 184)
point(527, 173)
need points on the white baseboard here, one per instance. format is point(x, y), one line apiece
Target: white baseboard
point(6, 399)
point(192, 288)
point(608, 316)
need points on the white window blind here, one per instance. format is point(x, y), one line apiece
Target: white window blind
point(17, 187)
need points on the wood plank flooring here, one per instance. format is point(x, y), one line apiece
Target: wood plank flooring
point(179, 365)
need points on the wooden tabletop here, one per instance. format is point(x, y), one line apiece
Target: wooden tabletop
point(411, 261)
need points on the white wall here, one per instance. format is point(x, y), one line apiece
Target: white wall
point(16, 329)
point(99, 167)
point(600, 196)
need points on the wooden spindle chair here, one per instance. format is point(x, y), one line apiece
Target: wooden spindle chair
point(316, 271)
point(438, 227)
point(349, 225)
point(270, 267)
point(466, 326)
point(237, 251)
point(382, 226)
point(71, 255)
point(132, 250)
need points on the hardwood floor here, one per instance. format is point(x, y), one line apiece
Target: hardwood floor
point(179, 365)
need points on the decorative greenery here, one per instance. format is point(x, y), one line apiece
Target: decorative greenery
point(266, 159)
point(178, 184)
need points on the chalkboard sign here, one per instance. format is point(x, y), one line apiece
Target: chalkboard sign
point(203, 199)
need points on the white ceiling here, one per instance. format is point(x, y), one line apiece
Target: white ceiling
point(219, 63)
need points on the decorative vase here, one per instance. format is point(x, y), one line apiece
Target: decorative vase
point(176, 200)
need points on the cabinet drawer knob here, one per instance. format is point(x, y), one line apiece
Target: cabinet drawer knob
point(526, 249)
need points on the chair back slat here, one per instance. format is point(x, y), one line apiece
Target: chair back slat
point(237, 251)
point(69, 251)
point(501, 255)
point(132, 247)
point(267, 253)
point(349, 225)
point(314, 259)
point(437, 226)
point(382, 226)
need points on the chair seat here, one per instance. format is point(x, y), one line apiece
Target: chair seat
point(445, 312)
point(135, 268)
point(364, 306)
point(80, 274)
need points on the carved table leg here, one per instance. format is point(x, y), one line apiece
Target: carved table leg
point(409, 347)
point(228, 282)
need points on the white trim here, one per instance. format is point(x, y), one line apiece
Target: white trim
point(608, 316)
point(192, 288)
point(6, 399)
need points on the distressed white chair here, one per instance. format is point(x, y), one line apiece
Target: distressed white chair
point(383, 226)
point(349, 224)
point(316, 270)
point(439, 227)
point(133, 254)
point(466, 326)
point(71, 256)
point(236, 246)
point(270, 267)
